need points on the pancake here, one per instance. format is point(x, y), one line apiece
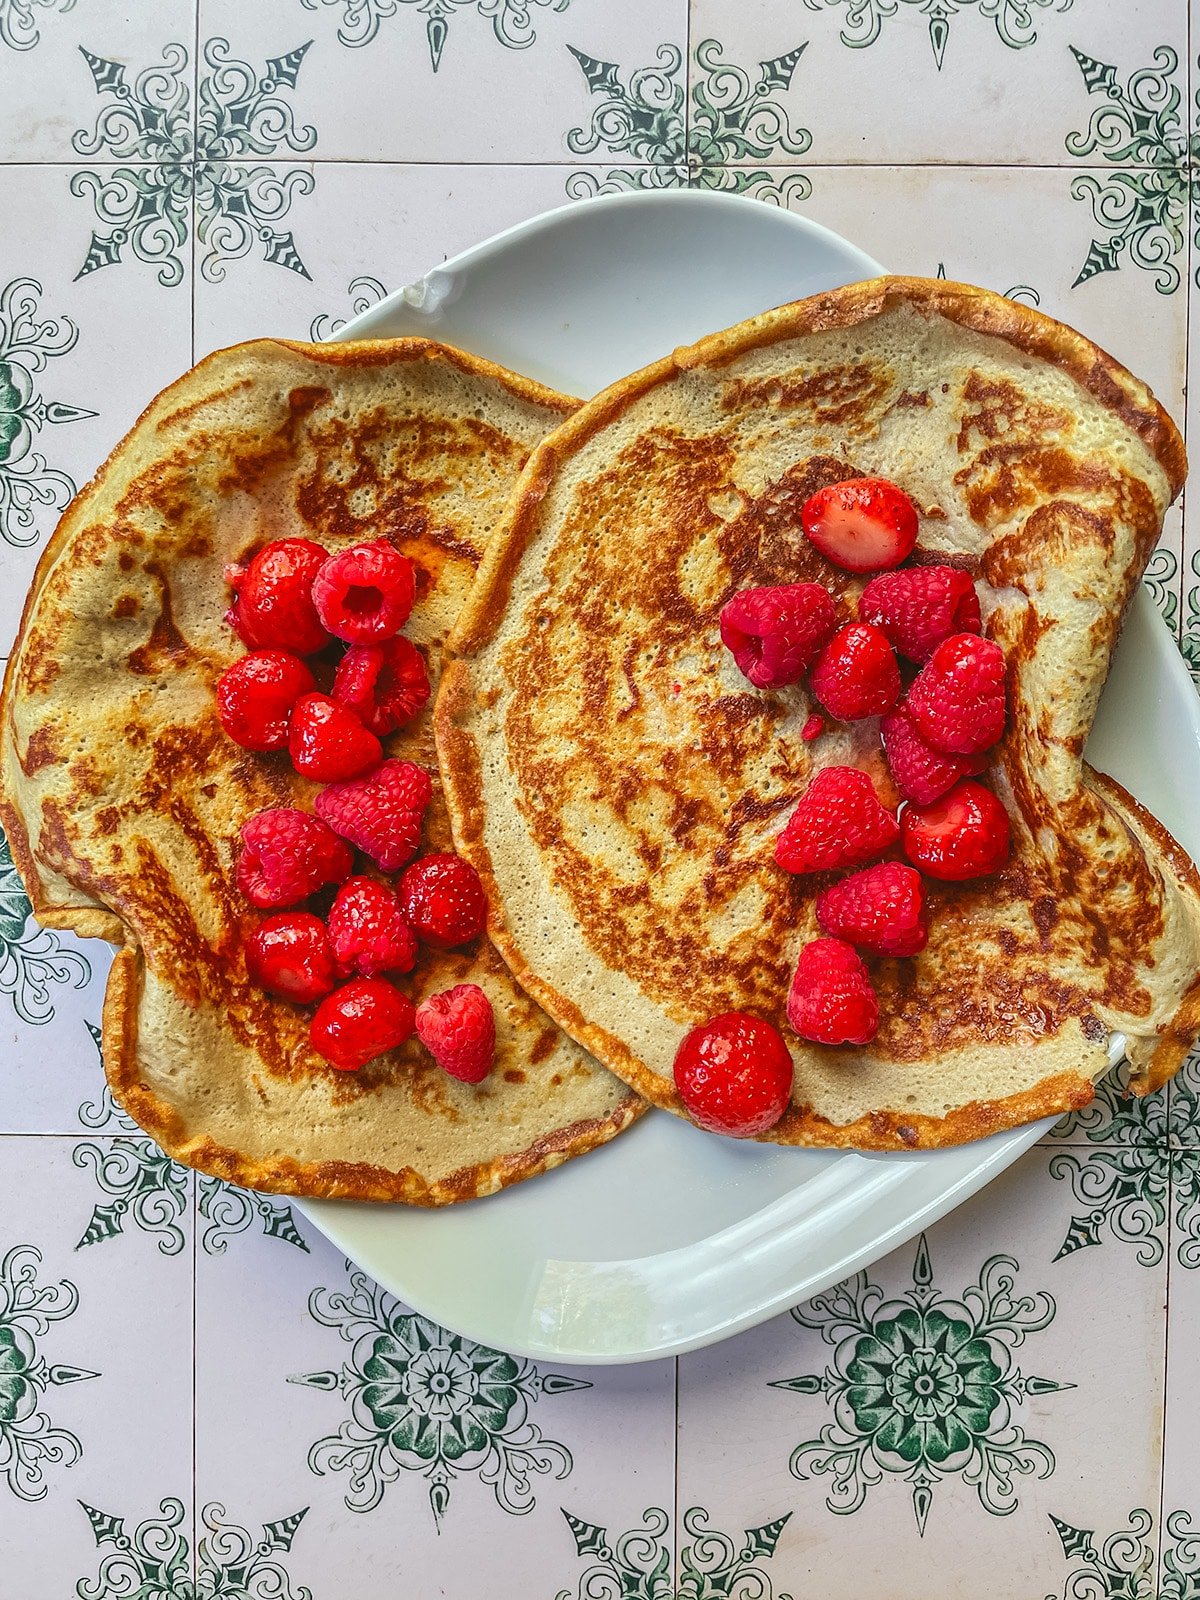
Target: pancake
point(619, 784)
point(123, 797)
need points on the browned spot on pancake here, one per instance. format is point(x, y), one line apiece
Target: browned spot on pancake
point(43, 750)
point(911, 398)
point(108, 820)
point(773, 520)
point(514, 1075)
point(542, 1047)
point(198, 545)
point(126, 605)
point(166, 646)
point(1045, 915)
point(847, 397)
point(125, 561)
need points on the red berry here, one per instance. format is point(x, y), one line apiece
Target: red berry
point(255, 697)
point(862, 525)
point(921, 606)
point(365, 594)
point(443, 900)
point(273, 608)
point(957, 698)
point(360, 1021)
point(831, 1000)
point(920, 772)
point(774, 633)
point(381, 813)
point(368, 932)
point(734, 1075)
point(963, 835)
point(813, 728)
point(857, 674)
point(288, 855)
point(385, 685)
point(289, 955)
point(838, 822)
point(327, 743)
point(458, 1028)
point(880, 909)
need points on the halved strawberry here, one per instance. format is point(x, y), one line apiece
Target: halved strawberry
point(863, 525)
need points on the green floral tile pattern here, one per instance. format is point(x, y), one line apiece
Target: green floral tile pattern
point(33, 960)
point(513, 21)
point(364, 292)
point(20, 23)
point(638, 1564)
point(1015, 21)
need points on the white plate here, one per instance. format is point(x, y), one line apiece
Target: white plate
point(669, 1239)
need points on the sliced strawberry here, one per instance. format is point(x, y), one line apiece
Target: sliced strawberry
point(863, 525)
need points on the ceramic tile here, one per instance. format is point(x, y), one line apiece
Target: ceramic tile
point(1180, 1571)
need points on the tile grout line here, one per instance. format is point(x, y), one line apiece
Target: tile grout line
point(675, 1474)
point(827, 164)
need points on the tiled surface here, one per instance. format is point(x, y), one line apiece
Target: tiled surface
point(213, 173)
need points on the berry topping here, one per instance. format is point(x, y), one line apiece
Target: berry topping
point(957, 698)
point(273, 608)
point(862, 524)
point(813, 728)
point(288, 855)
point(734, 1075)
point(775, 633)
point(922, 773)
point(831, 1000)
point(963, 835)
point(381, 813)
point(368, 932)
point(838, 822)
point(857, 674)
point(443, 900)
point(289, 955)
point(385, 685)
point(879, 909)
point(255, 697)
point(458, 1028)
point(365, 594)
point(326, 742)
point(921, 606)
point(360, 1021)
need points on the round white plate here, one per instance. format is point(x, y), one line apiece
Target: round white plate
point(668, 1239)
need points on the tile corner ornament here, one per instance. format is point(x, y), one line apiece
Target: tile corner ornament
point(511, 21)
point(20, 23)
point(364, 293)
point(32, 959)
point(1015, 20)
point(923, 1387)
point(637, 1564)
point(1122, 1565)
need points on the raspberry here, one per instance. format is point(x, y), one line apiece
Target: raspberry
point(368, 932)
point(458, 1028)
point(920, 772)
point(255, 697)
point(879, 909)
point(963, 835)
point(921, 606)
point(813, 728)
point(774, 633)
point(838, 822)
point(385, 685)
point(327, 743)
point(734, 1075)
point(365, 593)
point(862, 524)
point(857, 674)
point(443, 900)
point(288, 855)
point(381, 813)
point(360, 1021)
point(957, 698)
point(831, 1000)
point(289, 955)
point(272, 607)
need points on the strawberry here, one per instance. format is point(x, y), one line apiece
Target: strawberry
point(831, 1000)
point(458, 1028)
point(365, 594)
point(963, 835)
point(443, 900)
point(288, 855)
point(381, 813)
point(272, 607)
point(920, 772)
point(862, 524)
point(734, 1075)
point(385, 684)
point(327, 743)
point(838, 822)
point(957, 698)
point(360, 1021)
point(880, 909)
point(921, 606)
point(774, 633)
point(857, 674)
point(368, 932)
point(255, 697)
point(289, 955)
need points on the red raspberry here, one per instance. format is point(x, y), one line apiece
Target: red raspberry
point(288, 855)
point(289, 955)
point(922, 773)
point(838, 822)
point(381, 813)
point(862, 524)
point(957, 698)
point(813, 728)
point(831, 1000)
point(774, 633)
point(368, 931)
point(734, 1075)
point(385, 685)
point(963, 835)
point(880, 909)
point(273, 608)
point(255, 697)
point(458, 1028)
point(365, 593)
point(857, 674)
point(360, 1021)
point(443, 900)
point(921, 606)
point(327, 743)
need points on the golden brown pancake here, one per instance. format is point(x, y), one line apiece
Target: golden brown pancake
point(123, 798)
point(619, 784)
